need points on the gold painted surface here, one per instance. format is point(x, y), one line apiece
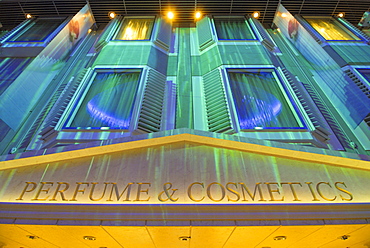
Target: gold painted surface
point(139, 144)
point(131, 236)
point(212, 236)
point(326, 236)
point(168, 236)
point(252, 235)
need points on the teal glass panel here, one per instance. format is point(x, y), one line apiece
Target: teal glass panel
point(135, 29)
point(260, 102)
point(109, 101)
point(37, 30)
point(233, 29)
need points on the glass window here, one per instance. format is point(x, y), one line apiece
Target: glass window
point(108, 102)
point(260, 101)
point(37, 30)
point(331, 29)
point(233, 29)
point(135, 29)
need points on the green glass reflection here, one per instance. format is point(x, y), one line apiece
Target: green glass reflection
point(233, 29)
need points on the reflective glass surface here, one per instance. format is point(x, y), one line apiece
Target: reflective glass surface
point(37, 30)
point(135, 29)
point(233, 29)
point(108, 102)
point(331, 29)
point(260, 102)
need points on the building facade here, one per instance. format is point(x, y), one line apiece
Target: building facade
point(226, 134)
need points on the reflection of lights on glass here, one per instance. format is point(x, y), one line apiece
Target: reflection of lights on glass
point(89, 30)
point(170, 15)
point(341, 14)
point(198, 15)
point(284, 15)
point(128, 35)
point(28, 16)
point(256, 14)
point(322, 30)
point(112, 15)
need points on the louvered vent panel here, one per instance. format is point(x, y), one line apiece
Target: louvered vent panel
point(61, 100)
point(163, 37)
point(107, 33)
point(150, 114)
point(51, 113)
point(361, 85)
point(216, 106)
point(308, 28)
point(328, 117)
point(205, 36)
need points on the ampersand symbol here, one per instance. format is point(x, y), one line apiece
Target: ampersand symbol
point(166, 190)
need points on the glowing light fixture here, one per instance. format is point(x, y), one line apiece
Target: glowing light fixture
point(198, 15)
point(91, 238)
point(284, 15)
point(28, 16)
point(341, 14)
point(279, 238)
point(112, 15)
point(170, 15)
point(256, 14)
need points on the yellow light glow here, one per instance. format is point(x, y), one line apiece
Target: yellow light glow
point(89, 30)
point(341, 15)
point(322, 30)
point(256, 14)
point(198, 15)
point(28, 16)
point(112, 15)
point(284, 15)
point(170, 15)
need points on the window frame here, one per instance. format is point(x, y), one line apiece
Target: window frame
point(80, 94)
point(122, 21)
point(294, 105)
point(344, 28)
point(248, 25)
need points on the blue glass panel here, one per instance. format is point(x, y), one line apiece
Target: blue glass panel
point(259, 101)
point(10, 69)
point(37, 30)
point(109, 101)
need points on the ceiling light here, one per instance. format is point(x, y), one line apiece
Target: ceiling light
point(344, 237)
point(184, 238)
point(341, 14)
point(170, 15)
point(91, 238)
point(256, 14)
point(28, 16)
point(112, 15)
point(198, 15)
point(32, 237)
point(278, 238)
